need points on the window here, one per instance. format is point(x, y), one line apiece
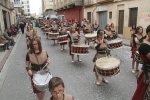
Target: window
point(110, 15)
point(89, 16)
point(133, 16)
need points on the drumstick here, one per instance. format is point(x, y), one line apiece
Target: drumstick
point(45, 65)
point(111, 48)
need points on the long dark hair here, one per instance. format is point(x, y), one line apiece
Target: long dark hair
point(100, 32)
point(31, 45)
point(137, 29)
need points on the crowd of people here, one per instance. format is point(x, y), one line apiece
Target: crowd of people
point(7, 38)
point(37, 57)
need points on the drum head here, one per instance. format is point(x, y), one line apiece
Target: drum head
point(90, 35)
point(41, 78)
point(107, 63)
point(114, 41)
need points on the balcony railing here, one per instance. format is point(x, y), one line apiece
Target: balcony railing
point(88, 2)
point(17, 2)
point(104, 1)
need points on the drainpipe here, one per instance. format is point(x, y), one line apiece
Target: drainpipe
point(93, 13)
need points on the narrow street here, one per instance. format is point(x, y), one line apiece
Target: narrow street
point(78, 76)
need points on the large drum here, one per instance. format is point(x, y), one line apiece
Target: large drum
point(62, 39)
point(115, 43)
point(90, 37)
point(41, 80)
point(137, 57)
point(53, 35)
point(81, 49)
point(46, 30)
point(107, 66)
point(42, 28)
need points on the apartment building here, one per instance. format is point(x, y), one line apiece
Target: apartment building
point(123, 13)
point(47, 7)
point(18, 8)
point(8, 15)
point(26, 8)
point(71, 9)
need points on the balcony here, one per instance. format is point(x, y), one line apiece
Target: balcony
point(104, 1)
point(89, 2)
point(75, 2)
point(17, 4)
point(11, 6)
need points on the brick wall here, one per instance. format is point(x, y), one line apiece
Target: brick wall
point(72, 13)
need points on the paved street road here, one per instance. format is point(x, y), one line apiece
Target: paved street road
point(78, 76)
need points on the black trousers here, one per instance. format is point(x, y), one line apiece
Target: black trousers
point(22, 30)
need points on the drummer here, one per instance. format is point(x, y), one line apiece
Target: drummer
point(74, 39)
point(143, 78)
point(112, 28)
point(102, 51)
point(35, 35)
point(54, 28)
point(95, 26)
point(108, 33)
point(62, 31)
point(76, 25)
point(29, 36)
point(88, 27)
point(137, 40)
point(37, 58)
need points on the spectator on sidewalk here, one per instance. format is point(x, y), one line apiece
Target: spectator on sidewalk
point(4, 41)
point(57, 88)
point(12, 30)
point(9, 38)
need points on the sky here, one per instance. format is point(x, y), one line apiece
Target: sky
point(34, 6)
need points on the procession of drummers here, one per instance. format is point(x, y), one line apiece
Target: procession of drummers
point(38, 58)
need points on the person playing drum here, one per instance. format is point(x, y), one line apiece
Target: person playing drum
point(137, 40)
point(35, 35)
point(62, 32)
point(112, 28)
point(54, 28)
point(95, 26)
point(29, 36)
point(102, 51)
point(74, 39)
point(142, 91)
point(88, 27)
point(108, 32)
point(37, 58)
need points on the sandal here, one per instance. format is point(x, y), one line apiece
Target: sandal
point(105, 81)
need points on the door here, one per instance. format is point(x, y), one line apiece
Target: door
point(121, 21)
point(5, 20)
point(102, 20)
point(89, 16)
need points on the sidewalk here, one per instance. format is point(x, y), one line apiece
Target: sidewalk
point(5, 54)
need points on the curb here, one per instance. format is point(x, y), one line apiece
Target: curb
point(4, 70)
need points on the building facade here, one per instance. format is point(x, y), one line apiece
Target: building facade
point(8, 14)
point(123, 13)
point(47, 7)
point(26, 8)
point(18, 7)
point(71, 9)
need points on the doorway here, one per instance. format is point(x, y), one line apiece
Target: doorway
point(102, 20)
point(121, 21)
